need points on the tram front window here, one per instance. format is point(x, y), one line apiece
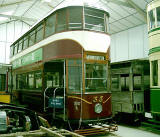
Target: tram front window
point(96, 78)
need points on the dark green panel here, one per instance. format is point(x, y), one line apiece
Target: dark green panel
point(155, 100)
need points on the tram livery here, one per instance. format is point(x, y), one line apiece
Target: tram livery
point(61, 64)
point(153, 12)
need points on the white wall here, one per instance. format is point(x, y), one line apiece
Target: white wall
point(8, 33)
point(130, 44)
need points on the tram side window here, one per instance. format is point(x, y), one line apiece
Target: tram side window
point(15, 49)
point(39, 34)
point(50, 25)
point(137, 82)
point(94, 20)
point(75, 18)
point(20, 45)
point(125, 82)
point(154, 72)
point(38, 80)
point(75, 76)
point(2, 82)
point(151, 19)
point(158, 16)
point(96, 78)
point(61, 20)
point(32, 38)
point(31, 80)
point(11, 51)
point(25, 44)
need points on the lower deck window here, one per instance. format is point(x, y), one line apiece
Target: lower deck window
point(154, 72)
point(95, 78)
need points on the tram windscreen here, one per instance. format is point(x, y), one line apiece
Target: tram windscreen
point(96, 78)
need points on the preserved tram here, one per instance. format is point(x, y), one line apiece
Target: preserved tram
point(62, 64)
point(153, 12)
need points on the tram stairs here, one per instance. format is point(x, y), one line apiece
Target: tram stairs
point(151, 125)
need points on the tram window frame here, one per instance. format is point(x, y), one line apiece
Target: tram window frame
point(33, 84)
point(25, 42)
point(15, 48)
point(11, 51)
point(154, 72)
point(39, 33)
point(115, 81)
point(50, 25)
point(75, 76)
point(32, 38)
point(158, 16)
point(96, 15)
point(152, 18)
point(39, 82)
point(139, 83)
point(75, 21)
point(90, 78)
point(20, 45)
point(61, 23)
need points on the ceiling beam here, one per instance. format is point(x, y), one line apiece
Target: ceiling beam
point(18, 17)
point(138, 9)
point(118, 2)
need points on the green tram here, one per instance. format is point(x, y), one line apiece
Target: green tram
point(153, 12)
point(62, 64)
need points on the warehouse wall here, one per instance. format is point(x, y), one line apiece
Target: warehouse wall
point(130, 44)
point(8, 33)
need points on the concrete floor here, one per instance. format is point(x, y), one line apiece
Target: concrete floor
point(124, 131)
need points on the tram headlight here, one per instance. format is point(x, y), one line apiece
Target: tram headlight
point(98, 108)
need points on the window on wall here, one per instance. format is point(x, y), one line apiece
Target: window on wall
point(61, 20)
point(75, 18)
point(96, 78)
point(94, 19)
point(154, 72)
point(125, 82)
point(158, 16)
point(39, 33)
point(25, 44)
point(151, 19)
point(50, 25)
point(75, 76)
point(115, 83)
point(32, 38)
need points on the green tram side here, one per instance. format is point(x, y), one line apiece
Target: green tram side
point(153, 12)
point(67, 68)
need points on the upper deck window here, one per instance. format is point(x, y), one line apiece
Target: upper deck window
point(158, 16)
point(151, 19)
point(20, 45)
point(61, 20)
point(75, 18)
point(25, 44)
point(39, 33)
point(94, 19)
point(32, 38)
point(50, 25)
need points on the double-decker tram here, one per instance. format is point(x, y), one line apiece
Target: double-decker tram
point(61, 66)
point(153, 11)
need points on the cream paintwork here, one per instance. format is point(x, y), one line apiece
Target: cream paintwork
point(90, 41)
point(153, 5)
point(154, 39)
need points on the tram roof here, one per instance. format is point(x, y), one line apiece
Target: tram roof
point(124, 14)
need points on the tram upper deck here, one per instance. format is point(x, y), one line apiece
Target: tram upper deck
point(85, 25)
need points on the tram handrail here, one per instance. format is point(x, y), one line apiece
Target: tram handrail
point(44, 106)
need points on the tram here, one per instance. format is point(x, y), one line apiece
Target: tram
point(153, 12)
point(4, 83)
point(62, 63)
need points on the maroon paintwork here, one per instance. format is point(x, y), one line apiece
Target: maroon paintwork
point(88, 106)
